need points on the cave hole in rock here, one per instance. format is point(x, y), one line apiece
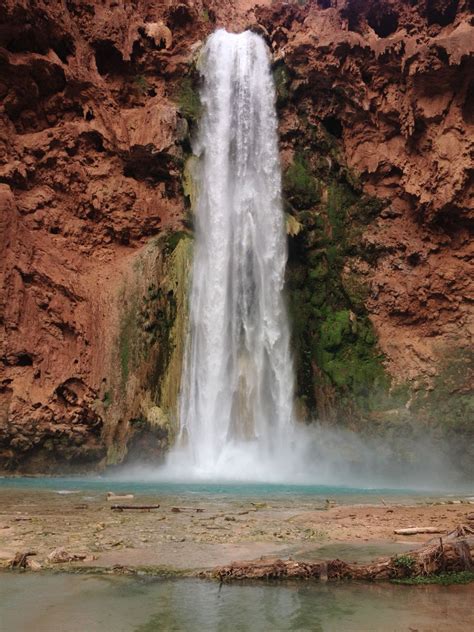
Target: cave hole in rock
point(180, 16)
point(79, 8)
point(49, 78)
point(367, 77)
point(137, 52)
point(351, 14)
point(94, 215)
point(123, 236)
point(468, 106)
point(414, 258)
point(28, 39)
point(26, 277)
point(442, 55)
point(64, 48)
point(38, 38)
point(333, 125)
point(146, 163)
point(108, 59)
point(418, 132)
point(65, 395)
point(324, 4)
point(24, 359)
point(71, 150)
point(442, 12)
point(452, 218)
point(91, 141)
point(383, 20)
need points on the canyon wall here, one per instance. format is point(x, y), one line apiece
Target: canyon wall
point(98, 106)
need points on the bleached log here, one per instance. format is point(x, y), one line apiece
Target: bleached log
point(415, 530)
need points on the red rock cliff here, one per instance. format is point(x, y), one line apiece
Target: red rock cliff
point(94, 117)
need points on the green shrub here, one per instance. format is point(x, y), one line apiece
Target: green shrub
point(405, 561)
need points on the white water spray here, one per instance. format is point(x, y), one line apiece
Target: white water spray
point(237, 385)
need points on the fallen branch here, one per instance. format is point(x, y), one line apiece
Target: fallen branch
point(461, 531)
point(137, 507)
point(415, 530)
point(180, 509)
point(21, 559)
point(431, 559)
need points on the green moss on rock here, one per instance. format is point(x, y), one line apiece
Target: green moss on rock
point(146, 364)
point(336, 353)
point(281, 78)
point(300, 188)
point(189, 101)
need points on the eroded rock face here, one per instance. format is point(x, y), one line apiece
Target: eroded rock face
point(89, 170)
point(97, 104)
point(392, 82)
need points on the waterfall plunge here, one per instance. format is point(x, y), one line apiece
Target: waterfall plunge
point(236, 398)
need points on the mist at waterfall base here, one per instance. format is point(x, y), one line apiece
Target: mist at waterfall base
point(320, 454)
point(237, 391)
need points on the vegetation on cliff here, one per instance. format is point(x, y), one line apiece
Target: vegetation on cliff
point(335, 344)
point(97, 115)
point(146, 365)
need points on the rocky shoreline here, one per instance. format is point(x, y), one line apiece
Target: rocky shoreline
point(84, 532)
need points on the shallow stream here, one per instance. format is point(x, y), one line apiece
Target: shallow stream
point(93, 603)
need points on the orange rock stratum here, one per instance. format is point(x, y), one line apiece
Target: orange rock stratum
point(97, 106)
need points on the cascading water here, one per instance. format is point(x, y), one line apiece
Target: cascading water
point(237, 384)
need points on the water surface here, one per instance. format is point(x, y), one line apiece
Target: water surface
point(219, 491)
point(71, 603)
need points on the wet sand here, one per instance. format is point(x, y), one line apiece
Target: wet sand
point(189, 534)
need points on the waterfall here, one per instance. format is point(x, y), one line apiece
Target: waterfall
point(236, 397)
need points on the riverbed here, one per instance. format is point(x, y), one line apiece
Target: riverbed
point(198, 527)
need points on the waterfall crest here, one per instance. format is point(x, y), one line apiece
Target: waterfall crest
point(236, 397)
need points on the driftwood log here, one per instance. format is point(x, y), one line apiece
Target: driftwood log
point(180, 509)
point(115, 497)
point(138, 507)
point(432, 559)
point(415, 530)
point(21, 559)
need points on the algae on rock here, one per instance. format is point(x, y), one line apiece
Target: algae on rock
point(177, 282)
point(147, 361)
point(339, 369)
